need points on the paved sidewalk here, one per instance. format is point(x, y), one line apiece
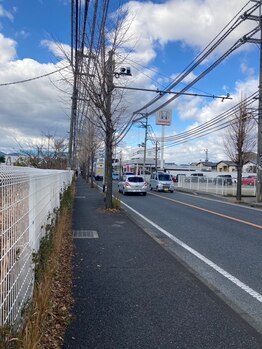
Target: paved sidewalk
point(131, 293)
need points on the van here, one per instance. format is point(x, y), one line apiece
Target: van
point(161, 181)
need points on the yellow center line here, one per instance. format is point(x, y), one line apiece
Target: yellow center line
point(212, 212)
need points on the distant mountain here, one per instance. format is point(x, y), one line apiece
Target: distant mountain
point(13, 154)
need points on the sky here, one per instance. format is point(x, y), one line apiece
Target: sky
point(165, 37)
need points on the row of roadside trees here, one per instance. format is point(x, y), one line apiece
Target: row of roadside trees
point(98, 107)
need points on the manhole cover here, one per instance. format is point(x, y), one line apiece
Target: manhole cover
point(85, 234)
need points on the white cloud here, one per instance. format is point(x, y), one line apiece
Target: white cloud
point(7, 48)
point(5, 13)
point(22, 33)
point(57, 49)
point(214, 142)
point(30, 108)
point(192, 22)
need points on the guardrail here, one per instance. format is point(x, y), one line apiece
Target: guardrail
point(215, 186)
point(29, 199)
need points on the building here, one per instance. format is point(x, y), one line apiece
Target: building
point(226, 166)
point(206, 166)
point(250, 167)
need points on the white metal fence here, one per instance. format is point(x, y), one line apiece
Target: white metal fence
point(28, 199)
point(215, 186)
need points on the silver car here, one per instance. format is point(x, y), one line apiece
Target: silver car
point(161, 181)
point(132, 184)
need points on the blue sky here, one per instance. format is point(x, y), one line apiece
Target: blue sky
point(33, 21)
point(166, 35)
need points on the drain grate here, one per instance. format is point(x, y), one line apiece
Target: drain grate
point(85, 234)
point(80, 197)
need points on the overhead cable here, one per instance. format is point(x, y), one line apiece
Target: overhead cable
point(220, 122)
point(226, 114)
point(201, 57)
point(35, 78)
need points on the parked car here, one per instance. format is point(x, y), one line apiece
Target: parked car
point(249, 180)
point(161, 181)
point(115, 176)
point(132, 184)
point(175, 177)
point(224, 180)
point(196, 177)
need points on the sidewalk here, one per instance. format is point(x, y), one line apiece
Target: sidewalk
point(131, 293)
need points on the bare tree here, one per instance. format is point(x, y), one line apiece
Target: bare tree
point(98, 68)
point(240, 141)
point(47, 153)
point(90, 142)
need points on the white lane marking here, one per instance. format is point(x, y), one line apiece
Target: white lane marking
point(221, 271)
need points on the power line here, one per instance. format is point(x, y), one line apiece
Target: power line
point(173, 92)
point(203, 55)
point(190, 67)
point(35, 78)
point(229, 112)
point(200, 58)
point(133, 63)
point(211, 126)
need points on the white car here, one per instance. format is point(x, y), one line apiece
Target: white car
point(132, 184)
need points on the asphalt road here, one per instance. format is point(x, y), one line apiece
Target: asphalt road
point(220, 242)
point(130, 293)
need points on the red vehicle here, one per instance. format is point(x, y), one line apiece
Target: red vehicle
point(174, 178)
point(249, 180)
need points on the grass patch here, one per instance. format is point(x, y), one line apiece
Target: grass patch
point(9, 338)
point(116, 202)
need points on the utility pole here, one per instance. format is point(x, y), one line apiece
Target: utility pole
point(145, 126)
point(162, 148)
point(146, 132)
point(74, 63)
point(72, 135)
point(120, 165)
point(156, 155)
point(206, 152)
point(259, 136)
